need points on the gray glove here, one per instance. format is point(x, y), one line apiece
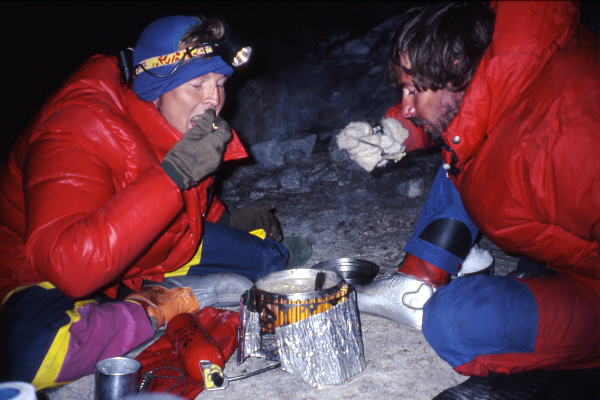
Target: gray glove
point(198, 153)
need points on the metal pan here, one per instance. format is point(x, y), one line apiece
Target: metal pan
point(352, 270)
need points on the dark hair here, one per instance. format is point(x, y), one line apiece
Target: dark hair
point(211, 29)
point(444, 43)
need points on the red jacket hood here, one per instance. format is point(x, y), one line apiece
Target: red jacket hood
point(515, 57)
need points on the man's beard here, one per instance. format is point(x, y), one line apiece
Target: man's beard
point(450, 110)
point(434, 134)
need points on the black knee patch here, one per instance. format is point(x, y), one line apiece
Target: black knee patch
point(449, 234)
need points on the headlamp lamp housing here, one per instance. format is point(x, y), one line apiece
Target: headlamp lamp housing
point(232, 51)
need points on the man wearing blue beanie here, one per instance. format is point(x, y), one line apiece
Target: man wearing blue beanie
point(108, 224)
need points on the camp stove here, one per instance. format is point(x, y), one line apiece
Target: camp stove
point(308, 320)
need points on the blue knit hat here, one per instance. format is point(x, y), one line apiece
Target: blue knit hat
point(162, 37)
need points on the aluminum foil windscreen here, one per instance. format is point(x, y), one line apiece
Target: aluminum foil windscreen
point(323, 349)
point(249, 329)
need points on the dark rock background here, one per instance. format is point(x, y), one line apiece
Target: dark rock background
point(340, 81)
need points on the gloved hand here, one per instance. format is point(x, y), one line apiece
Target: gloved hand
point(162, 304)
point(198, 154)
point(257, 217)
point(220, 289)
point(389, 138)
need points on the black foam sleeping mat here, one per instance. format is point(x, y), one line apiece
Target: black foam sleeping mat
point(581, 384)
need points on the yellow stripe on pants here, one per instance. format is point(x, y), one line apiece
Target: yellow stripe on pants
point(196, 259)
point(50, 368)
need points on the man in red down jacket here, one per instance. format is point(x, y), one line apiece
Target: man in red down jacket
point(110, 187)
point(512, 94)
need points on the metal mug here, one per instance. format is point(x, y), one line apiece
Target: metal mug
point(116, 378)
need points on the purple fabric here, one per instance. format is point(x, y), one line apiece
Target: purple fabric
point(104, 330)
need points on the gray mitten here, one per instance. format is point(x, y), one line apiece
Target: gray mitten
point(198, 153)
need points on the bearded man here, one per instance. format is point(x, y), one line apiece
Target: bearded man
point(511, 92)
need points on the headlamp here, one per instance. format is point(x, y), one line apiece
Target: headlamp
point(230, 50)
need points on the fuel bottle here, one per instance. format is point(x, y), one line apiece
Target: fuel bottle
point(200, 355)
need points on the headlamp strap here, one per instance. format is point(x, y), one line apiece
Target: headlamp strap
point(173, 58)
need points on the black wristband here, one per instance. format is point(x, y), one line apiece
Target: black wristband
point(173, 174)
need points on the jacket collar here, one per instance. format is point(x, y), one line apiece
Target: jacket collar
point(161, 135)
point(519, 49)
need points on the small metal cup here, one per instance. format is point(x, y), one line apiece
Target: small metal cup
point(116, 378)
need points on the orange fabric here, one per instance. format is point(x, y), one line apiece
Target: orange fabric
point(84, 203)
point(164, 304)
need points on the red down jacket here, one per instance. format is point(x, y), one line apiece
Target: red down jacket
point(84, 203)
point(528, 135)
